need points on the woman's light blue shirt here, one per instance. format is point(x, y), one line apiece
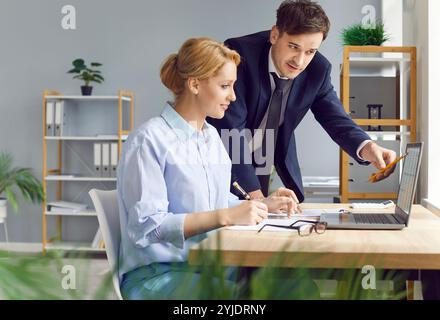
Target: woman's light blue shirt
point(168, 169)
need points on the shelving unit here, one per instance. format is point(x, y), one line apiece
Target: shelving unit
point(96, 119)
point(399, 122)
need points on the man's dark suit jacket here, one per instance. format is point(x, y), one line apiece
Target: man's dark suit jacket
point(312, 89)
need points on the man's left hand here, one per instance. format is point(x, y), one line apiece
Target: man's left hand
point(292, 203)
point(379, 157)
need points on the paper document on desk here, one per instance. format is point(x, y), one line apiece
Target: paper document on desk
point(306, 213)
point(316, 212)
point(282, 219)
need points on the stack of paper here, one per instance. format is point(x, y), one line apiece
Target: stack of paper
point(65, 206)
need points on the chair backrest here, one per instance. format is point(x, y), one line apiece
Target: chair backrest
point(106, 205)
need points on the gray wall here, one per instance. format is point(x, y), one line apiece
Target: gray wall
point(131, 39)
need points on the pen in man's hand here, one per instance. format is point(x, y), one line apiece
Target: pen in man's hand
point(373, 177)
point(241, 190)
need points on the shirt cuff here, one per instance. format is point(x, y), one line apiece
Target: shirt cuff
point(363, 144)
point(171, 230)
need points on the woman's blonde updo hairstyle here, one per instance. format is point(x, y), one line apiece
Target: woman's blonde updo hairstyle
point(198, 58)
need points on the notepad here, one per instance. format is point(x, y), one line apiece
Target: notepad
point(306, 213)
point(282, 219)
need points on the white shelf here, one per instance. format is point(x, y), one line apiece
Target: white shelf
point(70, 246)
point(376, 66)
point(88, 98)
point(386, 135)
point(70, 178)
point(87, 138)
point(85, 213)
point(379, 59)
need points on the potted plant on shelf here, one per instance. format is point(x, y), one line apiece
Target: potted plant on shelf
point(21, 178)
point(86, 74)
point(360, 35)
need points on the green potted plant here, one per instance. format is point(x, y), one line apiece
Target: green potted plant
point(87, 74)
point(21, 178)
point(360, 35)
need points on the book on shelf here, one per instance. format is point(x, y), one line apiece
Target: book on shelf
point(105, 159)
point(59, 118)
point(98, 241)
point(50, 117)
point(66, 206)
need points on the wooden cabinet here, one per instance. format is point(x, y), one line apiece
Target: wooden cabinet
point(384, 76)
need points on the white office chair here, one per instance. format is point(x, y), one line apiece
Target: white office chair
point(106, 205)
point(3, 215)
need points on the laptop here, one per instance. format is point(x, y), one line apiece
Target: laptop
point(400, 218)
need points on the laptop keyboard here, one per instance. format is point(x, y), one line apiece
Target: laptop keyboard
point(374, 219)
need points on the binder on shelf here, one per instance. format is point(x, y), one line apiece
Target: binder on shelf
point(113, 159)
point(105, 160)
point(50, 131)
point(97, 239)
point(66, 206)
point(97, 155)
point(59, 118)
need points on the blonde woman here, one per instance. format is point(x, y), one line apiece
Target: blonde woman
point(174, 175)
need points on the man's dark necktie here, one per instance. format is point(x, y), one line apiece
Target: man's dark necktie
point(273, 121)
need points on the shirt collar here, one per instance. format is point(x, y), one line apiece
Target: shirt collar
point(272, 66)
point(179, 125)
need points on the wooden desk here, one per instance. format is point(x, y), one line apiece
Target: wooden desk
point(415, 247)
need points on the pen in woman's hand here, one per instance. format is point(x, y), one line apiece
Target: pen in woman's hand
point(241, 190)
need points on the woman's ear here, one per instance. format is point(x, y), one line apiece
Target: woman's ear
point(193, 85)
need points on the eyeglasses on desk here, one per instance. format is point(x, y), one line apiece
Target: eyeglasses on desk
point(304, 229)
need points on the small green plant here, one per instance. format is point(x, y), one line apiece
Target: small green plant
point(359, 35)
point(85, 73)
point(22, 178)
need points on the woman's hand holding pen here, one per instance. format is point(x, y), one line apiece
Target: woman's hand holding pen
point(247, 213)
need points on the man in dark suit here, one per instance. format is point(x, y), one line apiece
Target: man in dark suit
point(282, 75)
point(282, 70)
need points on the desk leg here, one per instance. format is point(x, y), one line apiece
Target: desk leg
point(410, 290)
point(244, 277)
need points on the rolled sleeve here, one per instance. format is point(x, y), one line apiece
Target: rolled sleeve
point(171, 230)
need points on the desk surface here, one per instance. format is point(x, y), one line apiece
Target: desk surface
point(415, 247)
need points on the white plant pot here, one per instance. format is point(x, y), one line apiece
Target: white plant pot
point(3, 208)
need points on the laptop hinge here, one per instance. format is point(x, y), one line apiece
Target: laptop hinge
point(399, 218)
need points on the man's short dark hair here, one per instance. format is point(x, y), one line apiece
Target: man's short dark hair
point(302, 16)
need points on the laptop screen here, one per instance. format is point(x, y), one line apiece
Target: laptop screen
point(408, 181)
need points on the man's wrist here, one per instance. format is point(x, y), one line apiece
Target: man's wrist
point(256, 195)
point(362, 148)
